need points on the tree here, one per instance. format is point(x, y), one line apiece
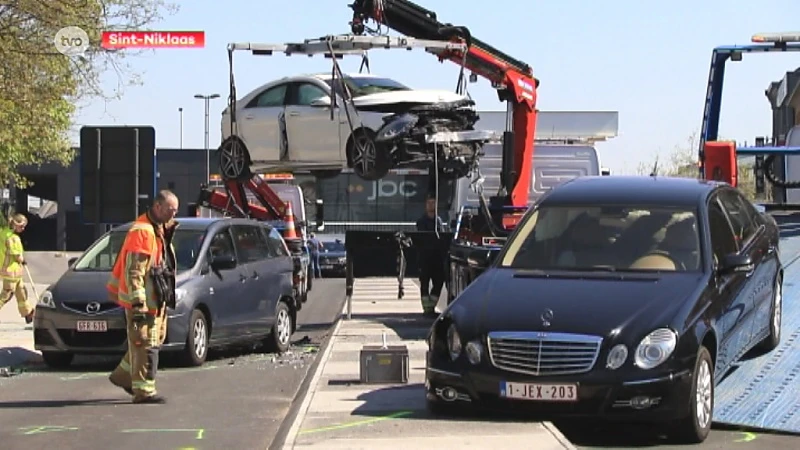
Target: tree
point(682, 162)
point(40, 88)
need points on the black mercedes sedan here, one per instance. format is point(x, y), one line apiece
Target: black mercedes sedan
point(618, 298)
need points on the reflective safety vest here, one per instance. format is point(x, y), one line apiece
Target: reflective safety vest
point(125, 291)
point(10, 247)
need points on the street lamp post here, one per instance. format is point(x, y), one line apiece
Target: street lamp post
point(180, 111)
point(207, 99)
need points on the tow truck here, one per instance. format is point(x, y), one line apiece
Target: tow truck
point(754, 396)
point(512, 78)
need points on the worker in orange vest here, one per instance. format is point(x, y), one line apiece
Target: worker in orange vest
point(143, 283)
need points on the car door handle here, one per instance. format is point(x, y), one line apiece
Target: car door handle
point(255, 275)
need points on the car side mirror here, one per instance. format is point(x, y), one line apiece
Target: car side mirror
point(321, 102)
point(736, 263)
point(71, 262)
point(223, 262)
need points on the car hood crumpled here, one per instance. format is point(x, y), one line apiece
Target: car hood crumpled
point(410, 96)
point(594, 305)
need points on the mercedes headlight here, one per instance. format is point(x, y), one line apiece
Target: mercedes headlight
point(617, 357)
point(397, 127)
point(46, 300)
point(655, 348)
point(453, 342)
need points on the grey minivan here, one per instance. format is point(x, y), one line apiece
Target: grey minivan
point(234, 286)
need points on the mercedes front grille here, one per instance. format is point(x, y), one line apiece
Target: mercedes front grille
point(542, 353)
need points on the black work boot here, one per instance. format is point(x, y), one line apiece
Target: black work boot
point(115, 383)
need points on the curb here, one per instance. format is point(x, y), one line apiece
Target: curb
point(309, 387)
point(559, 436)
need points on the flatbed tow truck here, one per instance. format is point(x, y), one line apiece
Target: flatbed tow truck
point(761, 393)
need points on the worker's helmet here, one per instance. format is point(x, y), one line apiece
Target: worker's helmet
point(18, 220)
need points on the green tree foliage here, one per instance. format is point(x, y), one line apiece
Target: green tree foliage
point(41, 89)
point(682, 162)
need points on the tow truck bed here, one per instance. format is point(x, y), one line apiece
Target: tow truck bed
point(761, 393)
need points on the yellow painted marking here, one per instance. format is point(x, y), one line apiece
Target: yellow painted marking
point(359, 423)
point(746, 436)
point(198, 431)
point(45, 429)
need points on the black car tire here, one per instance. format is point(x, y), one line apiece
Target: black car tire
point(196, 350)
point(57, 360)
point(776, 309)
point(690, 430)
point(279, 340)
point(382, 162)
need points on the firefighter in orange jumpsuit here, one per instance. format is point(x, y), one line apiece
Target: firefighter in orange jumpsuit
point(143, 283)
point(11, 261)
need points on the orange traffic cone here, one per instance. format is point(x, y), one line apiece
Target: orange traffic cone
point(289, 232)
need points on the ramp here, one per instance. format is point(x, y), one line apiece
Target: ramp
point(762, 392)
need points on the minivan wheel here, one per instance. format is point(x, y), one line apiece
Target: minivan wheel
point(280, 336)
point(695, 427)
point(57, 360)
point(196, 350)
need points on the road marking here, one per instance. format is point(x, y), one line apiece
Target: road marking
point(747, 436)
point(359, 423)
point(45, 429)
point(198, 431)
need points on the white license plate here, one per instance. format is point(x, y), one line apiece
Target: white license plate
point(92, 325)
point(540, 392)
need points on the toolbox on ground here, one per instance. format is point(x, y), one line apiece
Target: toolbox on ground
point(384, 364)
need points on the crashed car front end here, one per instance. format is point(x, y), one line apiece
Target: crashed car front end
point(424, 134)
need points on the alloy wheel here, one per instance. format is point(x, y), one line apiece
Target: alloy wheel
point(777, 308)
point(199, 338)
point(703, 393)
point(232, 159)
point(283, 326)
point(365, 154)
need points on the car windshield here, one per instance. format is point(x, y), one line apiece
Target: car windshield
point(360, 86)
point(333, 246)
point(101, 256)
point(606, 238)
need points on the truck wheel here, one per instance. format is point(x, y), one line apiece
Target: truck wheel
point(196, 350)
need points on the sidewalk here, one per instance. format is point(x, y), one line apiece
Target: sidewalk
point(16, 338)
point(340, 413)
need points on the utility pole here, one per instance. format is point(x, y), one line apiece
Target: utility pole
point(207, 99)
point(180, 111)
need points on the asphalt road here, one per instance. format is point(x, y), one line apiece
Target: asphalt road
point(237, 400)
point(626, 436)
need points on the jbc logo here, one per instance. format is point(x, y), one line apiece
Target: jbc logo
point(388, 188)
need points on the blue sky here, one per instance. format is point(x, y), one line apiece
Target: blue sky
point(647, 60)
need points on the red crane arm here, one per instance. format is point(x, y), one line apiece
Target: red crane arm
point(513, 78)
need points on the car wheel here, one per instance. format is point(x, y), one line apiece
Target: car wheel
point(776, 315)
point(695, 427)
point(234, 160)
point(281, 334)
point(196, 350)
point(57, 360)
point(369, 161)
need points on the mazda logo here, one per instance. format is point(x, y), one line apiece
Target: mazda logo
point(93, 307)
